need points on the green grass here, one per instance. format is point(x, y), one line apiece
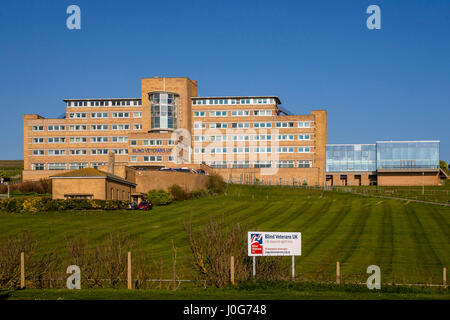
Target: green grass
point(12, 169)
point(270, 292)
point(409, 241)
point(439, 194)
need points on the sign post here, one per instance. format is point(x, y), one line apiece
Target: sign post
point(293, 268)
point(254, 267)
point(274, 244)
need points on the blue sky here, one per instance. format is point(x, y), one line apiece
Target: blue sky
point(392, 83)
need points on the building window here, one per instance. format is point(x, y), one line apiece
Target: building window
point(38, 128)
point(99, 115)
point(77, 115)
point(95, 165)
point(99, 127)
point(38, 140)
point(120, 139)
point(56, 140)
point(99, 139)
point(57, 166)
point(152, 158)
point(120, 127)
point(78, 165)
point(77, 127)
point(56, 128)
point(75, 152)
point(78, 140)
point(120, 114)
point(99, 151)
point(304, 163)
point(38, 152)
point(56, 152)
point(38, 166)
point(304, 124)
point(286, 164)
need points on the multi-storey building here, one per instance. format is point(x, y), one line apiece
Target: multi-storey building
point(244, 138)
point(386, 163)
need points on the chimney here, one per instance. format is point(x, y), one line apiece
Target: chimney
point(111, 160)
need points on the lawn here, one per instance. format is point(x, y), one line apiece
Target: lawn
point(439, 194)
point(12, 169)
point(409, 241)
point(298, 292)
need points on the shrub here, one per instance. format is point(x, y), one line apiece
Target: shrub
point(200, 193)
point(215, 184)
point(178, 193)
point(159, 197)
point(42, 204)
point(212, 247)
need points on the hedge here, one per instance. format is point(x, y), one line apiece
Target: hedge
point(42, 204)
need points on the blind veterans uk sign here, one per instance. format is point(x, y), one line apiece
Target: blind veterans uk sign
point(274, 243)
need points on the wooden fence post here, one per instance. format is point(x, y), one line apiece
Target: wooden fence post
point(338, 273)
point(22, 270)
point(444, 277)
point(130, 285)
point(232, 270)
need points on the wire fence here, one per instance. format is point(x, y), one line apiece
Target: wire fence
point(430, 196)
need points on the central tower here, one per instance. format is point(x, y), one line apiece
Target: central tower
point(167, 103)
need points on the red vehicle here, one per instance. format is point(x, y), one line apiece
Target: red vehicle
point(144, 205)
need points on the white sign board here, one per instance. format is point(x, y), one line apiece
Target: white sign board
point(274, 243)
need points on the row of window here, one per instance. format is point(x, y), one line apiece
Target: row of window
point(232, 113)
point(224, 125)
point(151, 142)
point(104, 103)
point(76, 152)
point(233, 101)
point(254, 150)
point(80, 139)
point(282, 137)
point(64, 166)
point(84, 115)
point(262, 164)
point(93, 127)
point(150, 158)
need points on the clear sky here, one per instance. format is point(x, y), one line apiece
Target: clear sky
point(388, 84)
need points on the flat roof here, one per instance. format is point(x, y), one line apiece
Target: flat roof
point(90, 173)
point(100, 99)
point(351, 144)
point(240, 97)
point(408, 141)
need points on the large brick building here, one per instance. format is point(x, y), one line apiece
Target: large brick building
point(243, 137)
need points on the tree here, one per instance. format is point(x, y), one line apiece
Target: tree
point(444, 166)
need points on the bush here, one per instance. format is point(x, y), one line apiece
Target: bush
point(200, 193)
point(42, 204)
point(215, 184)
point(215, 242)
point(178, 193)
point(159, 197)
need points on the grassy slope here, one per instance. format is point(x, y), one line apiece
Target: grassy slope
point(223, 294)
point(431, 193)
point(12, 168)
point(409, 241)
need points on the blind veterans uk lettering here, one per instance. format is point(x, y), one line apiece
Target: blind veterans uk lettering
point(274, 243)
point(152, 150)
